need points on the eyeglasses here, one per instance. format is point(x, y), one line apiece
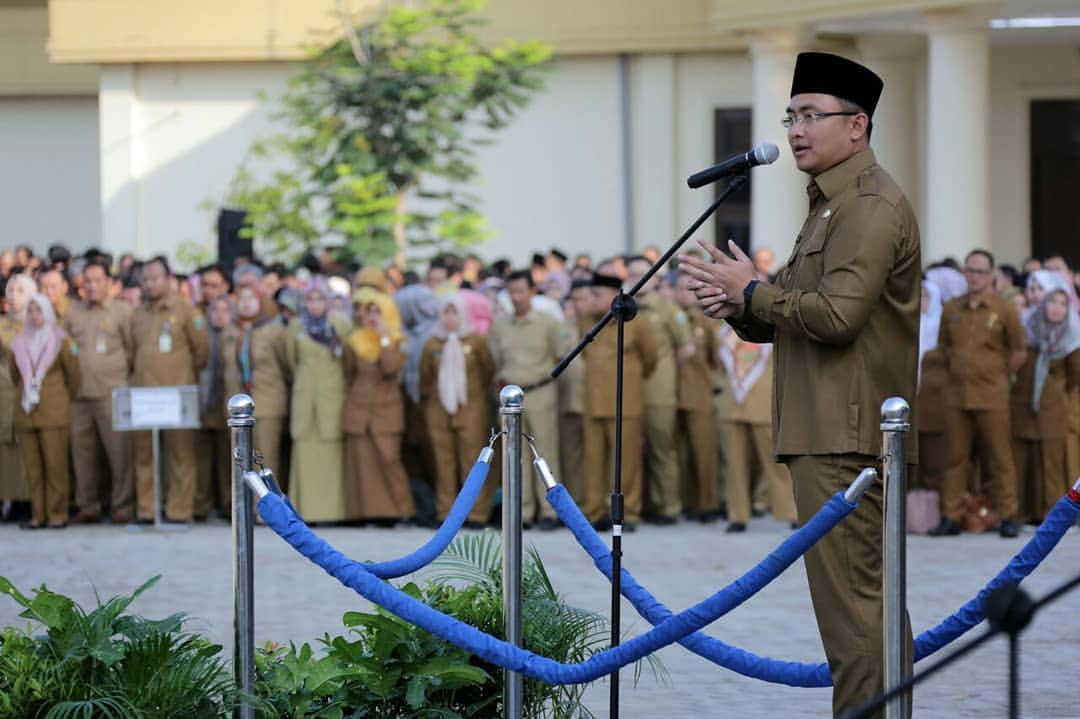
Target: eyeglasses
point(809, 118)
point(976, 271)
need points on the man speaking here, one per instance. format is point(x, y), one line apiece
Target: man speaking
point(843, 315)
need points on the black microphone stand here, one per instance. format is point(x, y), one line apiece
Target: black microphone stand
point(624, 309)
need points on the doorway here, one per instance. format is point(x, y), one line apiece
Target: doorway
point(1055, 177)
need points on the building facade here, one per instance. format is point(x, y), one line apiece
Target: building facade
point(122, 122)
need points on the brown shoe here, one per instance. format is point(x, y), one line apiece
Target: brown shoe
point(81, 517)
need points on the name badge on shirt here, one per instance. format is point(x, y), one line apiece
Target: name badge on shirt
point(164, 342)
point(34, 395)
point(100, 346)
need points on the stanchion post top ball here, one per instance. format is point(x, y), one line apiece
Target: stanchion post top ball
point(511, 397)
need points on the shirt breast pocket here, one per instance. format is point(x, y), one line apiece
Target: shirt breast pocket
point(810, 258)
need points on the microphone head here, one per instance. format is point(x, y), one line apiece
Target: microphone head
point(766, 153)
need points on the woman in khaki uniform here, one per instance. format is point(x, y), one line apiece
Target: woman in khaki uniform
point(45, 366)
point(1044, 387)
point(933, 376)
point(376, 486)
point(747, 421)
point(13, 485)
point(456, 372)
point(254, 356)
point(318, 394)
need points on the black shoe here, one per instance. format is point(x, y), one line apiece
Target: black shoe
point(473, 524)
point(629, 527)
point(547, 524)
point(662, 520)
point(757, 513)
point(947, 528)
point(735, 528)
point(1008, 529)
point(31, 524)
point(602, 525)
point(794, 526)
point(708, 517)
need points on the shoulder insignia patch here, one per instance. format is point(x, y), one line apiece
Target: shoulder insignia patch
point(198, 322)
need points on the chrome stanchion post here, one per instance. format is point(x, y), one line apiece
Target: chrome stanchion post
point(242, 423)
point(895, 425)
point(511, 410)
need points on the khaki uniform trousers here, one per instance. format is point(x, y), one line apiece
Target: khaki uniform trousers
point(455, 453)
point(749, 445)
point(13, 484)
point(844, 573)
point(177, 474)
point(213, 471)
point(270, 442)
point(91, 431)
point(992, 427)
point(699, 469)
point(542, 423)
point(1040, 466)
point(662, 460)
point(572, 455)
point(45, 454)
point(600, 467)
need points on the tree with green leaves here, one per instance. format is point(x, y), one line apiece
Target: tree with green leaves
point(379, 134)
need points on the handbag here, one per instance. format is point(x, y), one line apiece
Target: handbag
point(923, 511)
point(979, 514)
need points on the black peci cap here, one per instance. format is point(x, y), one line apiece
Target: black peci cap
point(602, 280)
point(837, 76)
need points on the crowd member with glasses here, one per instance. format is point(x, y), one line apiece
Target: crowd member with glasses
point(843, 316)
point(984, 346)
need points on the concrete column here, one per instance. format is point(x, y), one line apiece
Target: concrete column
point(652, 98)
point(118, 128)
point(778, 202)
point(895, 58)
point(957, 213)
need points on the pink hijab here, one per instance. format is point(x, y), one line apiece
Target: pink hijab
point(478, 309)
point(35, 350)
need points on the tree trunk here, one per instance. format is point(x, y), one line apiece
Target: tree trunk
point(399, 228)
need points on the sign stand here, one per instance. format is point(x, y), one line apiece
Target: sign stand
point(155, 409)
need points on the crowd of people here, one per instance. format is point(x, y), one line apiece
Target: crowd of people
point(375, 389)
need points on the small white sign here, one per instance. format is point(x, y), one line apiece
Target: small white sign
point(155, 406)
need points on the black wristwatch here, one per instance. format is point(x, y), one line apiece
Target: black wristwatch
point(748, 295)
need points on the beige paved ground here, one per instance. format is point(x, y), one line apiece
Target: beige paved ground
point(680, 564)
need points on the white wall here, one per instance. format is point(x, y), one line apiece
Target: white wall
point(48, 172)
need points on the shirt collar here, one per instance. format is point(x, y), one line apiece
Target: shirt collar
point(836, 178)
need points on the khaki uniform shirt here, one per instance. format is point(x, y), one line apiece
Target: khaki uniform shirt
point(696, 374)
point(1052, 420)
point(843, 313)
point(670, 330)
point(600, 368)
point(479, 374)
point(271, 373)
point(10, 393)
point(375, 404)
point(106, 349)
point(524, 349)
point(170, 343)
point(572, 380)
point(58, 386)
point(977, 344)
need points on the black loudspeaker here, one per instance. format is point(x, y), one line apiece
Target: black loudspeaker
point(230, 244)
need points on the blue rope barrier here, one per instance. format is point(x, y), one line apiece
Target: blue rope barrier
point(278, 516)
point(435, 546)
point(799, 674)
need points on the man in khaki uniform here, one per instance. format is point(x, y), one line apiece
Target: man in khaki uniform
point(984, 345)
point(524, 347)
point(54, 285)
point(600, 363)
point(671, 337)
point(843, 315)
point(170, 349)
point(101, 328)
point(697, 415)
point(572, 399)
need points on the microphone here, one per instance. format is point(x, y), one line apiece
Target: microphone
point(764, 154)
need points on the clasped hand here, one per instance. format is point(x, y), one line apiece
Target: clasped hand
point(718, 283)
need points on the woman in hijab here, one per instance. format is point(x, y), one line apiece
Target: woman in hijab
point(214, 475)
point(419, 310)
point(376, 486)
point(1041, 396)
point(316, 478)
point(14, 491)
point(456, 374)
point(44, 365)
point(254, 355)
point(933, 374)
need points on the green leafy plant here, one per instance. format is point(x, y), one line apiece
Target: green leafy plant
point(107, 663)
point(380, 131)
